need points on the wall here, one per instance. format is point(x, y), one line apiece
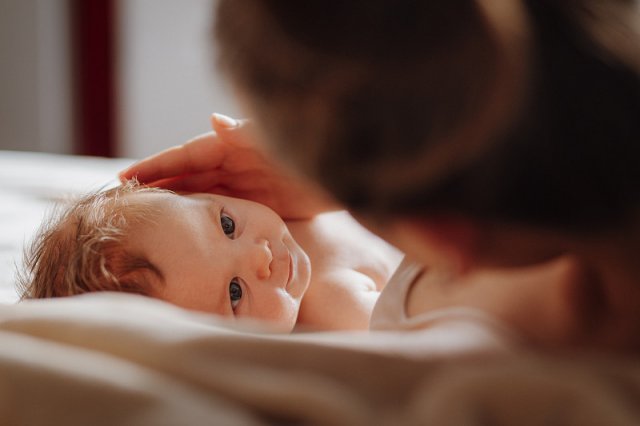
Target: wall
point(166, 80)
point(167, 83)
point(35, 86)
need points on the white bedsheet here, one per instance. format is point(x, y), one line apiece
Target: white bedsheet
point(107, 359)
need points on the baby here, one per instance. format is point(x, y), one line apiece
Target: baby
point(212, 253)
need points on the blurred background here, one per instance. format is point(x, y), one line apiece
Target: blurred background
point(115, 78)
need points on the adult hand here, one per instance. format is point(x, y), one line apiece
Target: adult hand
point(226, 162)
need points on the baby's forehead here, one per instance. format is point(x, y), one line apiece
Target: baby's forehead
point(141, 205)
point(149, 204)
point(182, 202)
point(156, 199)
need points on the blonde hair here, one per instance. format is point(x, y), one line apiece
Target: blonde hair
point(81, 248)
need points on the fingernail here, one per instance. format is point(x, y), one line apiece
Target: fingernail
point(224, 120)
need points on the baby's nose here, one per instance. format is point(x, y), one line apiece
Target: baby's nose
point(262, 258)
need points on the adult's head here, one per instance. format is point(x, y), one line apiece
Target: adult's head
point(504, 111)
point(477, 133)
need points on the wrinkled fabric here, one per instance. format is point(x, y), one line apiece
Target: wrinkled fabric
point(122, 359)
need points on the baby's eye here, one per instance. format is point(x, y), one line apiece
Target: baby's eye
point(228, 225)
point(235, 293)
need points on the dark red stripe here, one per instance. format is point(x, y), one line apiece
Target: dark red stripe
point(93, 47)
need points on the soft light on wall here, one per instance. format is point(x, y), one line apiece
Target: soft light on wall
point(167, 82)
point(107, 77)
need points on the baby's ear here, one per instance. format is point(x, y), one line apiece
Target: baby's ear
point(445, 240)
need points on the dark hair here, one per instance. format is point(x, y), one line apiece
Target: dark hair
point(359, 93)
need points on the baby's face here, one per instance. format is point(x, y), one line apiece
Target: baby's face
point(223, 255)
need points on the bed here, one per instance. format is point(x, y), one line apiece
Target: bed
point(121, 359)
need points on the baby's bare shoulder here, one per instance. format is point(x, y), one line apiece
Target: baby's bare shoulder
point(339, 299)
point(338, 244)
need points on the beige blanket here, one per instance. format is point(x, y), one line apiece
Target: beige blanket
point(117, 359)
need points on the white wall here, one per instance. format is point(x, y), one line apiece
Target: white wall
point(167, 84)
point(35, 82)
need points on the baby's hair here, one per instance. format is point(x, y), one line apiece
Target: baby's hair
point(82, 248)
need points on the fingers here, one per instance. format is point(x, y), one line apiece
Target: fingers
point(204, 152)
point(199, 154)
point(200, 182)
